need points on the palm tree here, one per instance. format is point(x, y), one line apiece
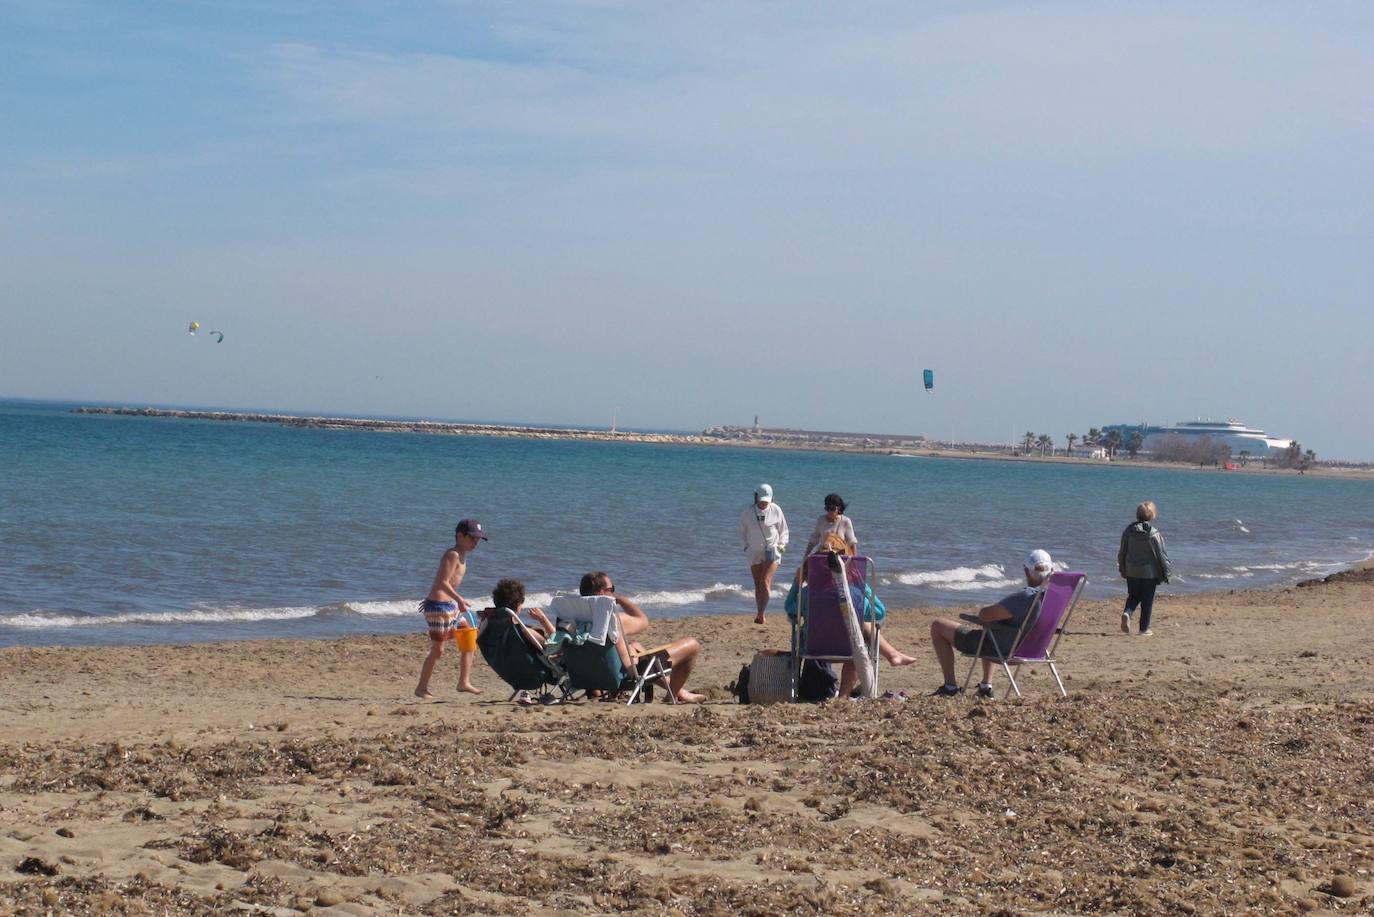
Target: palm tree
point(1071, 438)
point(1244, 456)
point(1093, 437)
point(1027, 442)
point(1134, 443)
point(1112, 441)
point(1045, 443)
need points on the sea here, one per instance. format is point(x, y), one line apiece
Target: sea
point(131, 530)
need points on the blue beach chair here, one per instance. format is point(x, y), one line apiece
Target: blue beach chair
point(588, 632)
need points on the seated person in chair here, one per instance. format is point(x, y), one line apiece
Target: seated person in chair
point(510, 593)
point(682, 653)
point(870, 606)
point(1001, 621)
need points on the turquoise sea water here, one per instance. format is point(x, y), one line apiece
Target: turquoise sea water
point(124, 530)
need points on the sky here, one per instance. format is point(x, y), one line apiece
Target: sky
point(690, 214)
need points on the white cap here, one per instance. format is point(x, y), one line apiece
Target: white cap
point(764, 492)
point(1038, 561)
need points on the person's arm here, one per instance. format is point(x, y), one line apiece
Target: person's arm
point(850, 538)
point(994, 613)
point(632, 618)
point(1121, 553)
point(745, 518)
point(545, 625)
point(1161, 556)
point(783, 534)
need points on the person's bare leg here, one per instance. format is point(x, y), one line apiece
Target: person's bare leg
point(987, 671)
point(436, 649)
point(465, 673)
point(683, 655)
point(942, 638)
point(849, 676)
point(889, 652)
point(763, 587)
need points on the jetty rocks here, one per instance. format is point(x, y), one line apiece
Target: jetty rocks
point(752, 437)
point(400, 426)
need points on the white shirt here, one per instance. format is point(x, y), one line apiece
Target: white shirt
point(842, 526)
point(761, 527)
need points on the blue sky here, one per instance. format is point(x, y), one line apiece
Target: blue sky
point(1075, 213)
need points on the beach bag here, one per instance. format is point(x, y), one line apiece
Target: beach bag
point(769, 679)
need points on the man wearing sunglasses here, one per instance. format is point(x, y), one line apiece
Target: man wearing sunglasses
point(682, 653)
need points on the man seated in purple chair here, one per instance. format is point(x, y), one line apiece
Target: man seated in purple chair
point(1001, 621)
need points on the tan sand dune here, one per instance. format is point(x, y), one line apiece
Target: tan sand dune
point(1225, 765)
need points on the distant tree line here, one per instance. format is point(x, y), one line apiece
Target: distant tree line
point(1194, 450)
point(1295, 457)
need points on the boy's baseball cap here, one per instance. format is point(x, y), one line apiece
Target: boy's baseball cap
point(471, 527)
point(1038, 561)
point(764, 492)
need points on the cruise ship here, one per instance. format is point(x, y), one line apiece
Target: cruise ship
point(1230, 432)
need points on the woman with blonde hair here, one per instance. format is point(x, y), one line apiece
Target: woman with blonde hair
point(1144, 563)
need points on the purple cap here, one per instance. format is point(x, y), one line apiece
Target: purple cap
point(471, 527)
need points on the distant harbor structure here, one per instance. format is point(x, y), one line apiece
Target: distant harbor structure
point(1232, 433)
point(784, 436)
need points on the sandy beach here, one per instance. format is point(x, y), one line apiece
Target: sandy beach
point(1222, 766)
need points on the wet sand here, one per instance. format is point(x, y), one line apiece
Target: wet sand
point(1225, 765)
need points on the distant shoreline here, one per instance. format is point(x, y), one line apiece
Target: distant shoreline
point(795, 440)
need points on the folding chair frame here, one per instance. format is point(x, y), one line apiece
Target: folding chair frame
point(1060, 629)
point(653, 665)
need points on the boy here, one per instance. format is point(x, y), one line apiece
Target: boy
point(446, 612)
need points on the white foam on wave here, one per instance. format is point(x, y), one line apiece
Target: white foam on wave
point(40, 619)
point(718, 591)
point(957, 578)
point(407, 607)
point(383, 609)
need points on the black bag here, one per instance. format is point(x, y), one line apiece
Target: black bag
point(741, 686)
point(817, 682)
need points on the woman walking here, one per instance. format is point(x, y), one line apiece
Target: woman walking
point(763, 534)
point(832, 522)
point(1144, 563)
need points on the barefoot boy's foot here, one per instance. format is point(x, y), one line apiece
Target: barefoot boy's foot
point(903, 659)
point(469, 689)
point(423, 695)
point(758, 619)
point(687, 697)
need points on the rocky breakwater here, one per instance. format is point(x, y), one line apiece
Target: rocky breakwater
point(813, 439)
point(401, 426)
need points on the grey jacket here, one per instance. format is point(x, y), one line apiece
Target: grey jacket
point(1142, 554)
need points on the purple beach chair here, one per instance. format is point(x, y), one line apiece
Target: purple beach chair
point(1040, 632)
point(819, 631)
